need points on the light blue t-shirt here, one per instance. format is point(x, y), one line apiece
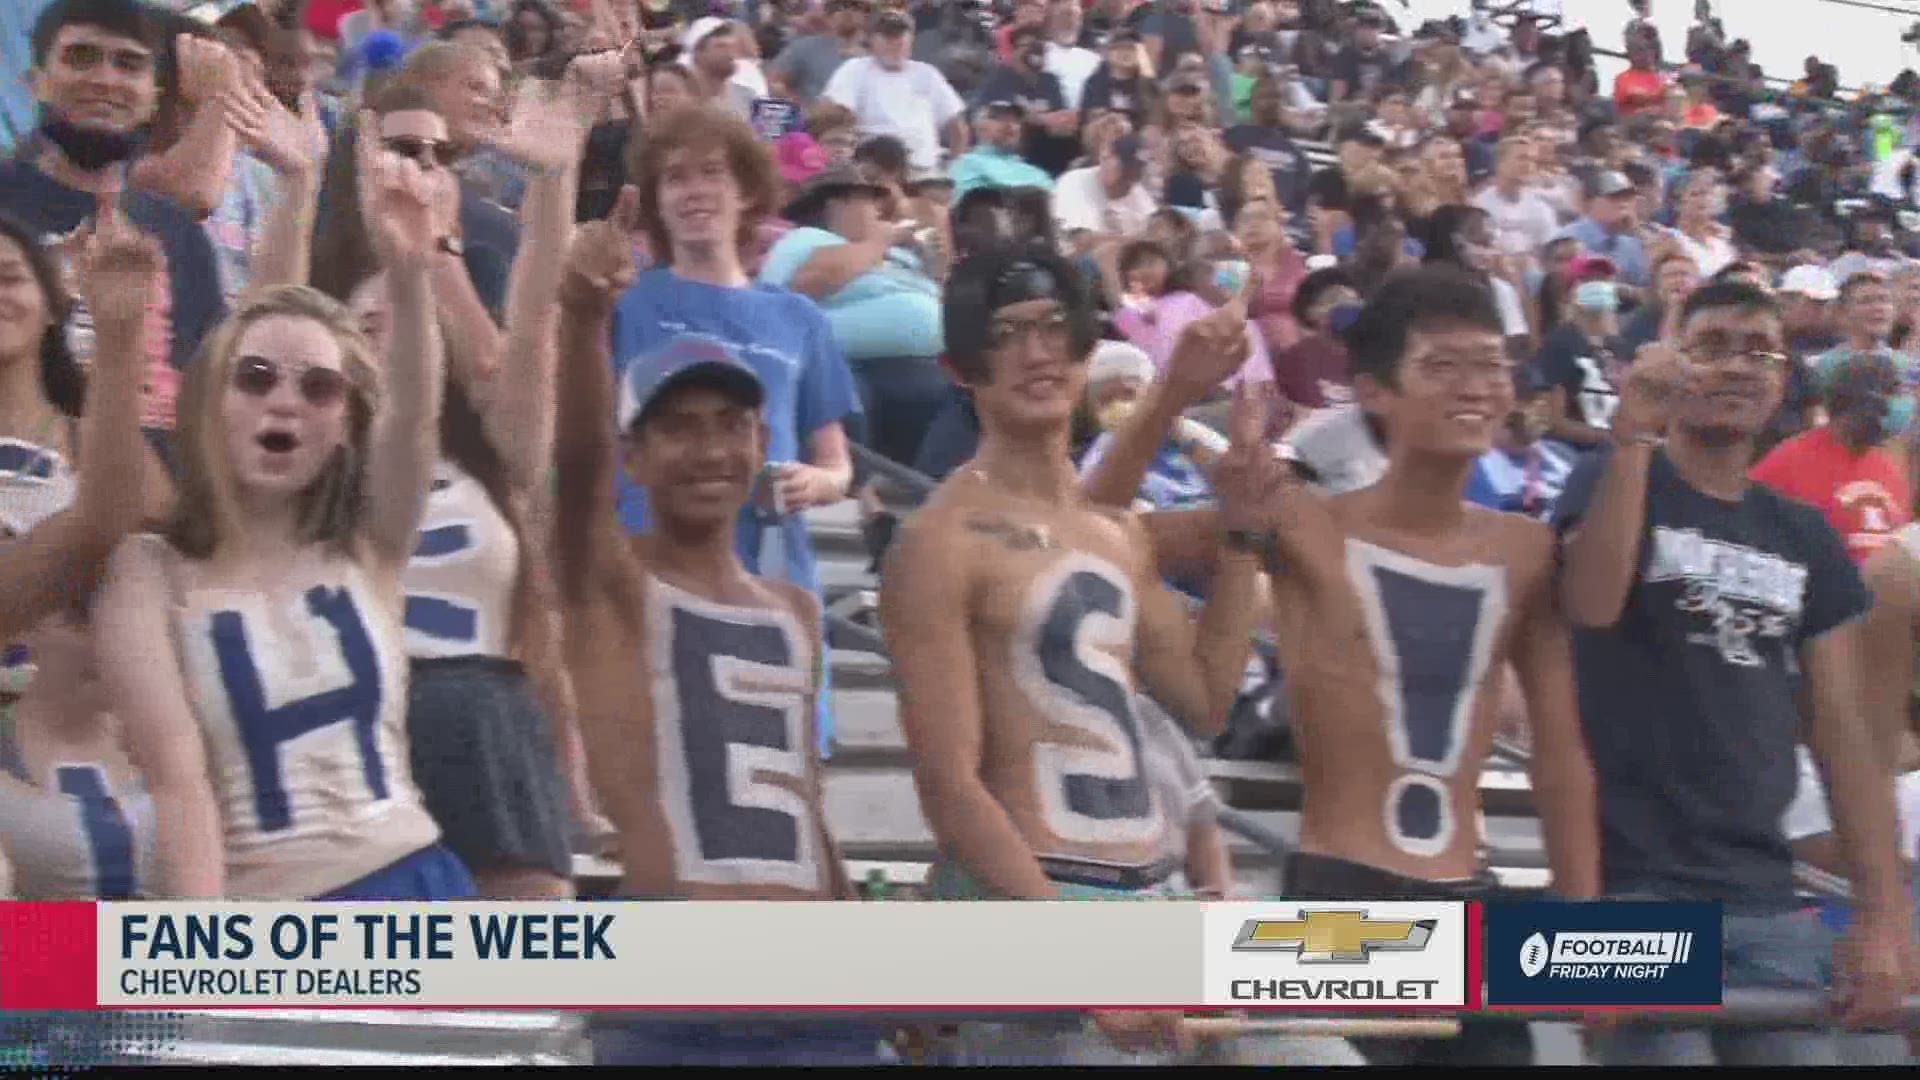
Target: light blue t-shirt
point(992, 167)
point(891, 310)
point(787, 342)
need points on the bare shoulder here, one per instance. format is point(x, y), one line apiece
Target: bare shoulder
point(936, 541)
point(1525, 546)
point(795, 598)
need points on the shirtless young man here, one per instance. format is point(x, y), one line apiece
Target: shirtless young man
point(686, 666)
point(1021, 620)
point(1397, 605)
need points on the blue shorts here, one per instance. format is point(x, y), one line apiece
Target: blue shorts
point(432, 873)
point(623, 1039)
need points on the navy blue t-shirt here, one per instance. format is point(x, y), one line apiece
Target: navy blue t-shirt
point(52, 210)
point(1687, 701)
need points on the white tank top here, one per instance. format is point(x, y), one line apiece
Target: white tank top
point(461, 579)
point(302, 698)
point(35, 483)
point(83, 841)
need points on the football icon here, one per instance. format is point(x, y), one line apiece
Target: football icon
point(1533, 954)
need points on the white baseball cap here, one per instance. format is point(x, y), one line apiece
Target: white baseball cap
point(1812, 282)
point(701, 29)
point(1119, 360)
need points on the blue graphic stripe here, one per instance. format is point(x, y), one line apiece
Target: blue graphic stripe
point(109, 834)
point(442, 619)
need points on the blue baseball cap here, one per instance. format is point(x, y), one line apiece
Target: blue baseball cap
point(680, 363)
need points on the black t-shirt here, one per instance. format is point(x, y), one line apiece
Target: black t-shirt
point(1040, 93)
point(1177, 32)
point(1569, 361)
point(52, 210)
point(1272, 147)
point(1133, 96)
point(1362, 71)
point(1687, 702)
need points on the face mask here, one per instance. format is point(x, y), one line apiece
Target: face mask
point(1597, 296)
point(90, 149)
point(1342, 317)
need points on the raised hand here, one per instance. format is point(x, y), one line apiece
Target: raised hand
point(1249, 479)
point(1212, 348)
point(1652, 387)
point(548, 125)
point(600, 262)
point(208, 71)
point(120, 267)
point(270, 131)
point(403, 206)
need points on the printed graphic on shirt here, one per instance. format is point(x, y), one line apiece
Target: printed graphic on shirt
point(1736, 595)
point(1869, 513)
point(1596, 398)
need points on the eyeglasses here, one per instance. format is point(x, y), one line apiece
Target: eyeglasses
point(1051, 329)
point(256, 376)
point(427, 152)
point(1455, 370)
point(1718, 352)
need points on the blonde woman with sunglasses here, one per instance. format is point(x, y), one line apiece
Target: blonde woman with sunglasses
point(253, 648)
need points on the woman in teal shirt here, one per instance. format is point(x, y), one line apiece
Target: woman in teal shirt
point(847, 254)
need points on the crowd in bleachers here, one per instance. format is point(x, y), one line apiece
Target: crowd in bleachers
point(411, 412)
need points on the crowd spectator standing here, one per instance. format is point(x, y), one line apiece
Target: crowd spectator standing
point(1671, 314)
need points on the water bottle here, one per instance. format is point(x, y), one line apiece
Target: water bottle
point(773, 524)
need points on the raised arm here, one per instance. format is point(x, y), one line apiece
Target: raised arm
point(924, 593)
point(1194, 670)
point(518, 400)
point(406, 210)
point(1210, 349)
point(293, 147)
point(1602, 550)
point(65, 555)
point(140, 667)
point(1561, 770)
point(599, 268)
point(194, 170)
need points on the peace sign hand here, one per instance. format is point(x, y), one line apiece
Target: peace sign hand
point(1211, 348)
point(1250, 479)
point(600, 262)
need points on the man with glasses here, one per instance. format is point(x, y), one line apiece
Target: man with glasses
point(1706, 601)
point(1398, 607)
point(805, 65)
point(1023, 621)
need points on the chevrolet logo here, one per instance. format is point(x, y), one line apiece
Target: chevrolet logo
point(1334, 937)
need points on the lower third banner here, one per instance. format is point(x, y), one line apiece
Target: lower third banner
point(1040, 955)
point(1603, 954)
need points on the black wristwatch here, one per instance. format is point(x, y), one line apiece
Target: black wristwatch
point(451, 245)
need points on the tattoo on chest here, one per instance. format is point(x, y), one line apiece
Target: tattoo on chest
point(1011, 535)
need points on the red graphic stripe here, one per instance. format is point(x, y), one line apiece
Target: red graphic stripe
point(49, 957)
point(1476, 953)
